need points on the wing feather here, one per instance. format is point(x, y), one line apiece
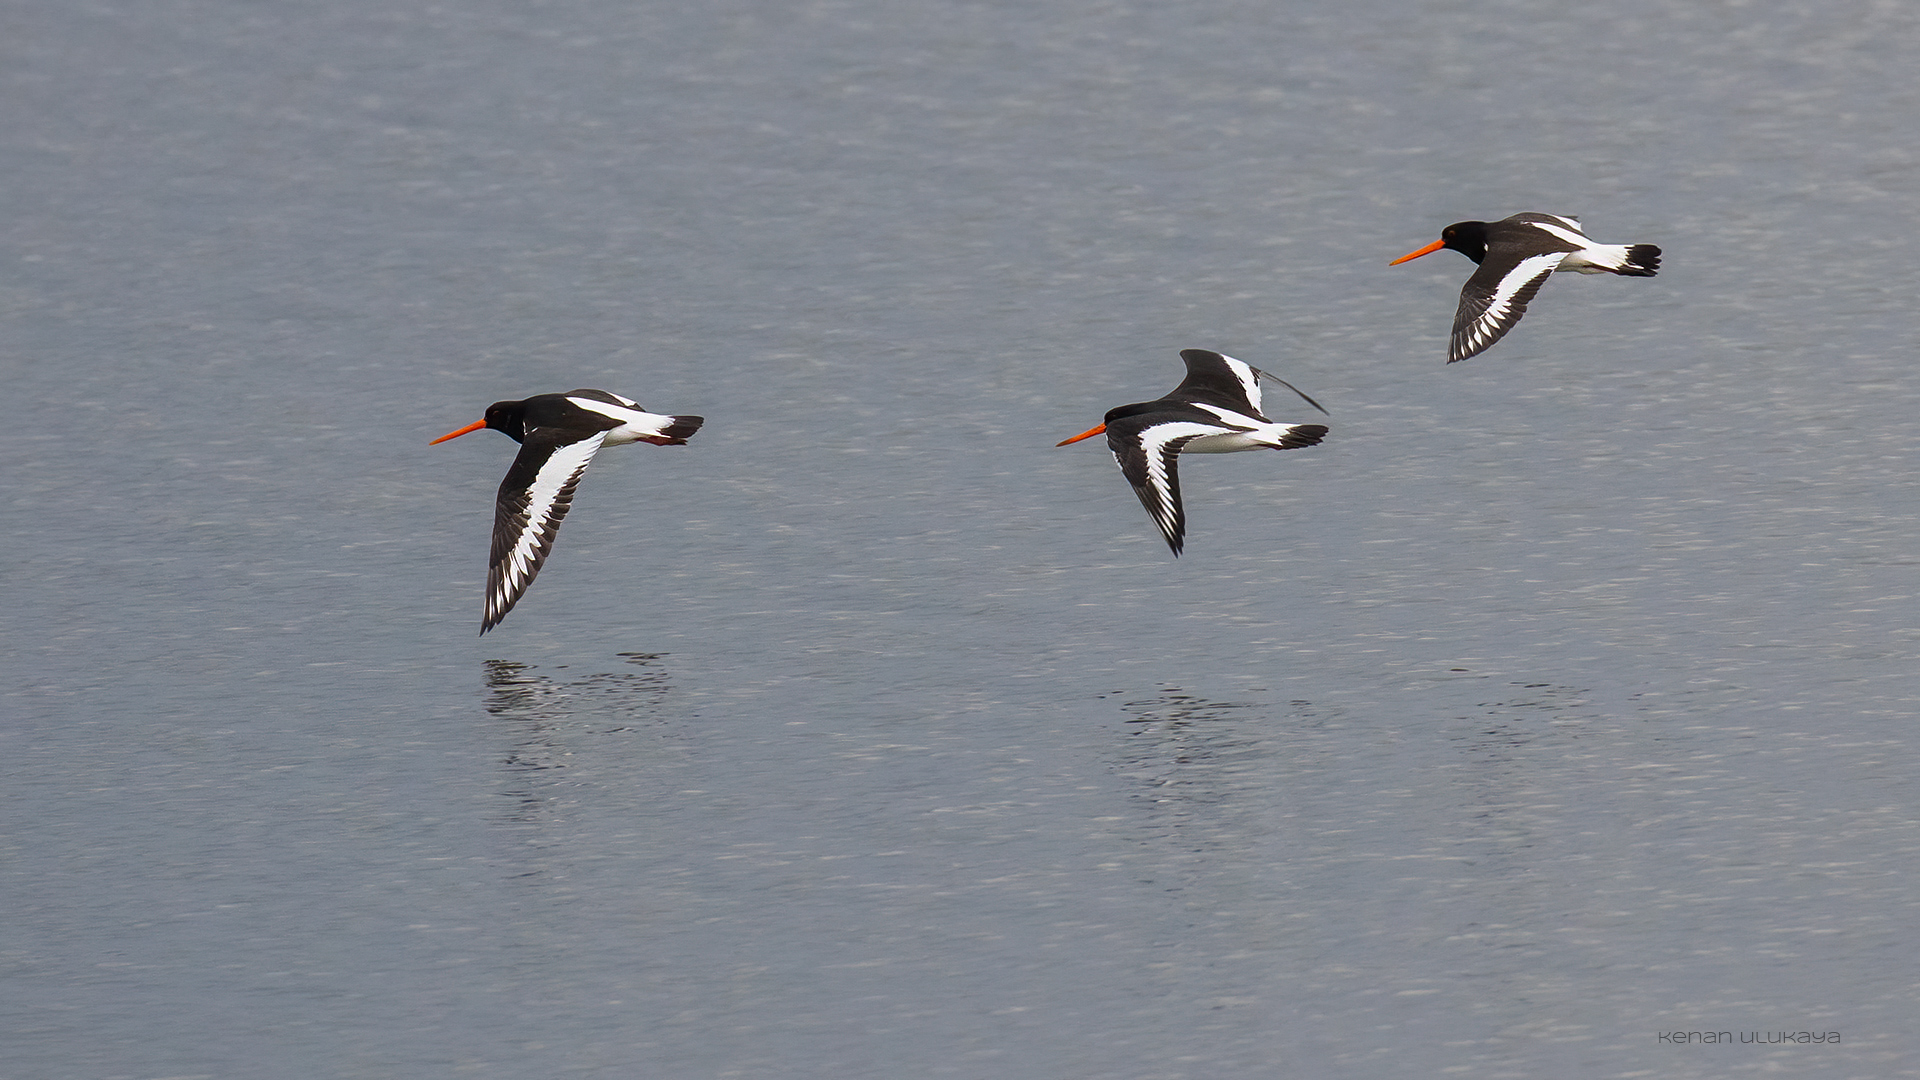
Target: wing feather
point(1493, 301)
point(533, 500)
point(1213, 376)
point(1149, 457)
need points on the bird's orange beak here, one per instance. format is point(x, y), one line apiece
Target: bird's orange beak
point(475, 426)
point(1088, 434)
point(1428, 250)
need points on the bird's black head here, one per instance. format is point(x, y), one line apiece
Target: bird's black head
point(1138, 408)
point(509, 418)
point(1469, 238)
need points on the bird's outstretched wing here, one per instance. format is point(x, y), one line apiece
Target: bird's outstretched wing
point(1149, 454)
point(533, 500)
point(1494, 298)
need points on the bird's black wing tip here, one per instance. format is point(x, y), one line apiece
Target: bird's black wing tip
point(1303, 394)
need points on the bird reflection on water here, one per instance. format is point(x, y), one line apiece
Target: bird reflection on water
point(547, 720)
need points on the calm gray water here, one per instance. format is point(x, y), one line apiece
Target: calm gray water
point(1564, 698)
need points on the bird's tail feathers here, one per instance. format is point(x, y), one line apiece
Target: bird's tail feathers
point(678, 432)
point(1627, 260)
point(1643, 260)
point(1295, 436)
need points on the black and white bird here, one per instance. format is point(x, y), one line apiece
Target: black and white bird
point(558, 435)
point(1515, 255)
point(1215, 411)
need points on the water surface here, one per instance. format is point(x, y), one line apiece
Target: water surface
point(1562, 698)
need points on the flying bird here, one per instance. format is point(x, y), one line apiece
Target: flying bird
point(558, 435)
point(1515, 256)
point(1215, 411)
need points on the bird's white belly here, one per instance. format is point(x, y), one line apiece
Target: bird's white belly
point(1224, 443)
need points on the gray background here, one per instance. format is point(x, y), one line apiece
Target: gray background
point(1561, 698)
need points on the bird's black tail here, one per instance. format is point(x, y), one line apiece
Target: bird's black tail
point(1299, 435)
point(682, 429)
point(1643, 260)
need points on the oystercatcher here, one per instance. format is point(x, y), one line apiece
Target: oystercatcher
point(1515, 257)
point(558, 435)
point(1215, 411)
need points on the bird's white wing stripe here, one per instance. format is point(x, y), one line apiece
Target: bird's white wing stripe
point(1249, 379)
point(616, 412)
point(636, 423)
point(562, 467)
point(1571, 234)
point(1517, 278)
point(1153, 442)
point(1228, 417)
point(1499, 310)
